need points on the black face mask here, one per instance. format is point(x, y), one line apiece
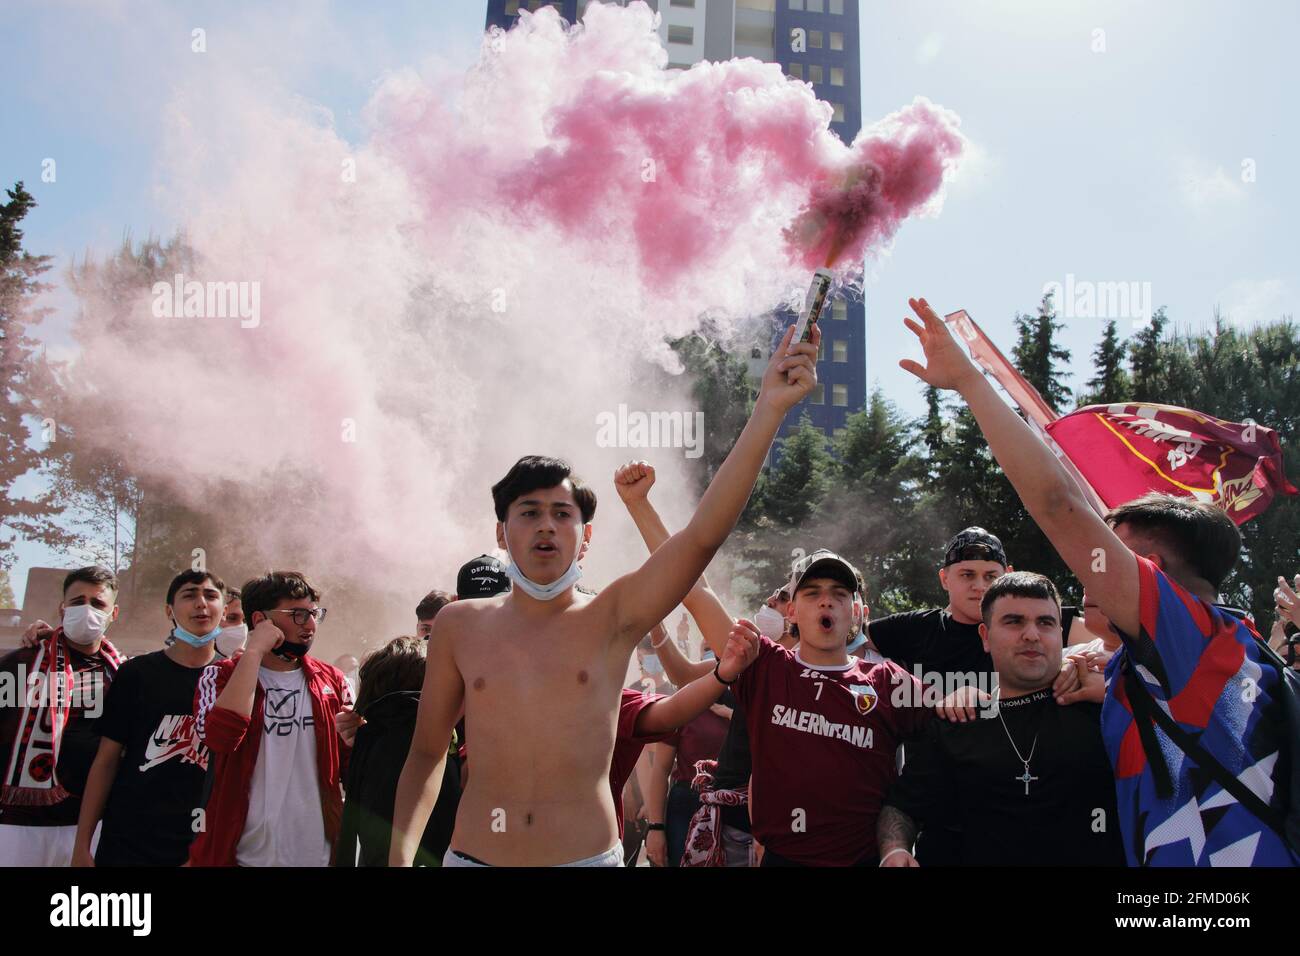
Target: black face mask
point(291, 651)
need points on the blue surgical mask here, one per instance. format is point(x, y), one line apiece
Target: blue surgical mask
point(545, 592)
point(194, 640)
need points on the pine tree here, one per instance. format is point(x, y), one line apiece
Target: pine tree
point(1038, 356)
point(1145, 360)
point(23, 375)
point(1111, 383)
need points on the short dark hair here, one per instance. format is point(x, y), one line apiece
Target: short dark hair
point(266, 592)
point(538, 471)
point(95, 574)
point(1025, 584)
point(397, 666)
point(193, 577)
point(1194, 535)
point(431, 604)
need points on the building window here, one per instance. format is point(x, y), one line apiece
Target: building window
point(837, 76)
point(839, 432)
point(814, 73)
point(839, 310)
point(840, 396)
point(795, 70)
point(837, 41)
point(814, 39)
point(821, 351)
point(751, 34)
point(839, 112)
point(767, 6)
point(512, 8)
point(837, 7)
point(681, 34)
point(818, 394)
point(815, 6)
point(840, 351)
point(679, 66)
point(682, 3)
point(796, 4)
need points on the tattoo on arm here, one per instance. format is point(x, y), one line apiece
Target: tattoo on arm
point(895, 829)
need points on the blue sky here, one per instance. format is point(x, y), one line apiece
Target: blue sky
point(1110, 140)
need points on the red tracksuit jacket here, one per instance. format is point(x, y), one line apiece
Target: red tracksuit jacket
point(235, 741)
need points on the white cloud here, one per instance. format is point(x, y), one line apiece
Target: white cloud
point(1252, 301)
point(929, 49)
point(1202, 185)
point(977, 170)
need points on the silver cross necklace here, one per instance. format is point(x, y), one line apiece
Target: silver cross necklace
point(1025, 777)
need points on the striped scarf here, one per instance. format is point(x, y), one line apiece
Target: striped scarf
point(31, 779)
point(704, 840)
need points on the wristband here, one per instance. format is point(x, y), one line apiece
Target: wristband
point(718, 677)
point(655, 826)
point(899, 849)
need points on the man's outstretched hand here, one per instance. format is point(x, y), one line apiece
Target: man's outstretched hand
point(792, 374)
point(946, 363)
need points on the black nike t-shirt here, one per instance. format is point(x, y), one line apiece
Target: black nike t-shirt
point(151, 816)
point(967, 781)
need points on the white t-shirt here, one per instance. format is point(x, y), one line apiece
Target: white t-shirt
point(285, 826)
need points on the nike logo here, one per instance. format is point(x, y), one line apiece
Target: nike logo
point(174, 737)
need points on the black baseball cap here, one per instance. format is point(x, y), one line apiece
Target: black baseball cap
point(825, 564)
point(483, 577)
point(974, 544)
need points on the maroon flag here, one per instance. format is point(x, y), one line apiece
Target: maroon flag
point(1127, 450)
point(1120, 452)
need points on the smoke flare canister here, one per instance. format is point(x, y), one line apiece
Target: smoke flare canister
point(812, 305)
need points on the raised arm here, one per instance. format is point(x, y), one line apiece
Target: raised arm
point(1106, 568)
point(648, 594)
point(680, 669)
point(665, 716)
point(241, 689)
point(633, 482)
point(440, 702)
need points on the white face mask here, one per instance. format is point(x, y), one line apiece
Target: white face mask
point(770, 622)
point(232, 639)
point(545, 592)
point(83, 624)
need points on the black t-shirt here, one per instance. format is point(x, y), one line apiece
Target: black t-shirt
point(938, 642)
point(966, 780)
point(933, 640)
point(150, 816)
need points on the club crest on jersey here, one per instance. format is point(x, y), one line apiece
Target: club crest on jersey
point(864, 695)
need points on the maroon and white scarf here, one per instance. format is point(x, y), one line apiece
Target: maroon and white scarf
point(704, 840)
point(31, 778)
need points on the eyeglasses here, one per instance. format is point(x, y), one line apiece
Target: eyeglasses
point(301, 614)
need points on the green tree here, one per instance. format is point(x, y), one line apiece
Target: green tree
point(1039, 357)
point(871, 515)
point(1145, 358)
point(1111, 382)
point(21, 374)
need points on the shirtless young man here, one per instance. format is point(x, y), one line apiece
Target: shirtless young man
point(540, 670)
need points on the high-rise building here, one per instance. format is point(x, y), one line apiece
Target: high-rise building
point(815, 41)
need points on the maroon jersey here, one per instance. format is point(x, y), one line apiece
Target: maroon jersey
point(823, 741)
point(628, 746)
